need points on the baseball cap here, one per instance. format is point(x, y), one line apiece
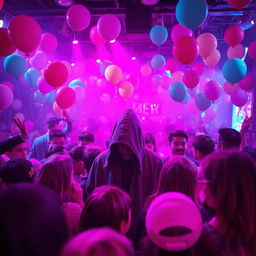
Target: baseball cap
point(173, 222)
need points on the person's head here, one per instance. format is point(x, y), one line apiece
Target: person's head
point(229, 139)
point(177, 175)
point(91, 153)
point(56, 174)
point(178, 142)
point(53, 123)
point(14, 147)
point(229, 187)
point(78, 156)
point(85, 138)
point(17, 170)
point(57, 137)
point(203, 146)
point(99, 242)
point(56, 149)
point(107, 206)
point(31, 221)
point(124, 151)
point(150, 141)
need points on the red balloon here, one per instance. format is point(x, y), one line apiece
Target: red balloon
point(25, 33)
point(252, 50)
point(234, 35)
point(247, 83)
point(95, 37)
point(238, 4)
point(191, 79)
point(1, 4)
point(7, 47)
point(199, 67)
point(185, 49)
point(56, 74)
point(65, 97)
point(48, 43)
point(171, 65)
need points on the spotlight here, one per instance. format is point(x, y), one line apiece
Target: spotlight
point(98, 61)
point(72, 64)
point(64, 3)
point(75, 42)
point(133, 58)
point(252, 22)
point(112, 41)
point(1, 23)
point(149, 2)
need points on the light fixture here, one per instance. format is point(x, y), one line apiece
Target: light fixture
point(72, 64)
point(149, 2)
point(112, 41)
point(1, 23)
point(64, 3)
point(75, 42)
point(133, 58)
point(98, 61)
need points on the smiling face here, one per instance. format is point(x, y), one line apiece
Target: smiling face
point(178, 145)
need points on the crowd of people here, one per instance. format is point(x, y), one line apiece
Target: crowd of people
point(82, 200)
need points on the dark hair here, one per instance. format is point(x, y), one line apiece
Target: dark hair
point(56, 133)
point(107, 206)
point(150, 139)
point(55, 149)
point(77, 153)
point(177, 133)
point(52, 121)
point(31, 221)
point(204, 144)
point(229, 138)
point(87, 136)
point(90, 154)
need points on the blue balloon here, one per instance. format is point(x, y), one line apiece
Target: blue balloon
point(104, 65)
point(177, 91)
point(158, 34)
point(76, 82)
point(32, 75)
point(234, 70)
point(191, 13)
point(50, 97)
point(202, 102)
point(158, 61)
point(39, 97)
point(15, 65)
point(186, 99)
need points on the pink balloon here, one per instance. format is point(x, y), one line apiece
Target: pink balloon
point(101, 83)
point(7, 47)
point(109, 26)
point(238, 4)
point(236, 51)
point(171, 65)
point(239, 98)
point(230, 88)
point(202, 83)
point(132, 78)
point(6, 97)
point(146, 70)
point(234, 35)
point(185, 49)
point(1, 4)
point(178, 31)
point(247, 83)
point(209, 72)
point(48, 43)
point(39, 60)
point(126, 89)
point(95, 37)
point(56, 74)
point(207, 44)
point(113, 74)
point(25, 33)
point(212, 90)
point(191, 79)
point(213, 59)
point(43, 86)
point(199, 67)
point(16, 104)
point(9, 84)
point(177, 76)
point(65, 97)
point(78, 17)
point(252, 50)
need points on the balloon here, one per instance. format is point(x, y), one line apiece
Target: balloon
point(157, 61)
point(132, 78)
point(239, 98)
point(213, 59)
point(212, 90)
point(186, 99)
point(109, 26)
point(80, 93)
point(209, 72)
point(39, 60)
point(56, 74)
point(179, 30)
point(57, 110)
point(25, 33)
point(145, 70)
point(7, 47)
point(191, 79)
point(202, 83)
point(234, 35)
point(43, 86)
point(16, 104)
point(236, 51)
point(105, 98)
point(9, 84)
point(77, 82)
point(177, 76)
point(95, 37)
point(48, 43)
point(50, 97)
point(101, 83)
point(234, 70)
point(15, 65)
point(252, 50)
point(185, 49)
point(158, 34)
point(78, 17)
point(177, 91)
point(39, 97)
point(171, 65)
point(156, 79)
point(191, 14)
point(20, 116)
point(166, 82)
point(1, 4)
point(126, 89)
point(104, 65)
point(65, 97)
point(247, 83)
point(230, 88)
point(202, 102)
point(6, 97)
point(207, 44)
point(68, 66)
point(238, 4)
point(113, 74)
point(199, 68)
point(32, 75)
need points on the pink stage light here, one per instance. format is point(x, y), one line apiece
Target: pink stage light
point(75, 42)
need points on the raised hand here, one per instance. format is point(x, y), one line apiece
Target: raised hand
point(22, 128)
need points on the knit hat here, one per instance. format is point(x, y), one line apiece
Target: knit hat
point(173, 222)
point(16, 170)
point(10, 143)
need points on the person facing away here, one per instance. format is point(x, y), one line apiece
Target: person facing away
point(229, 139)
